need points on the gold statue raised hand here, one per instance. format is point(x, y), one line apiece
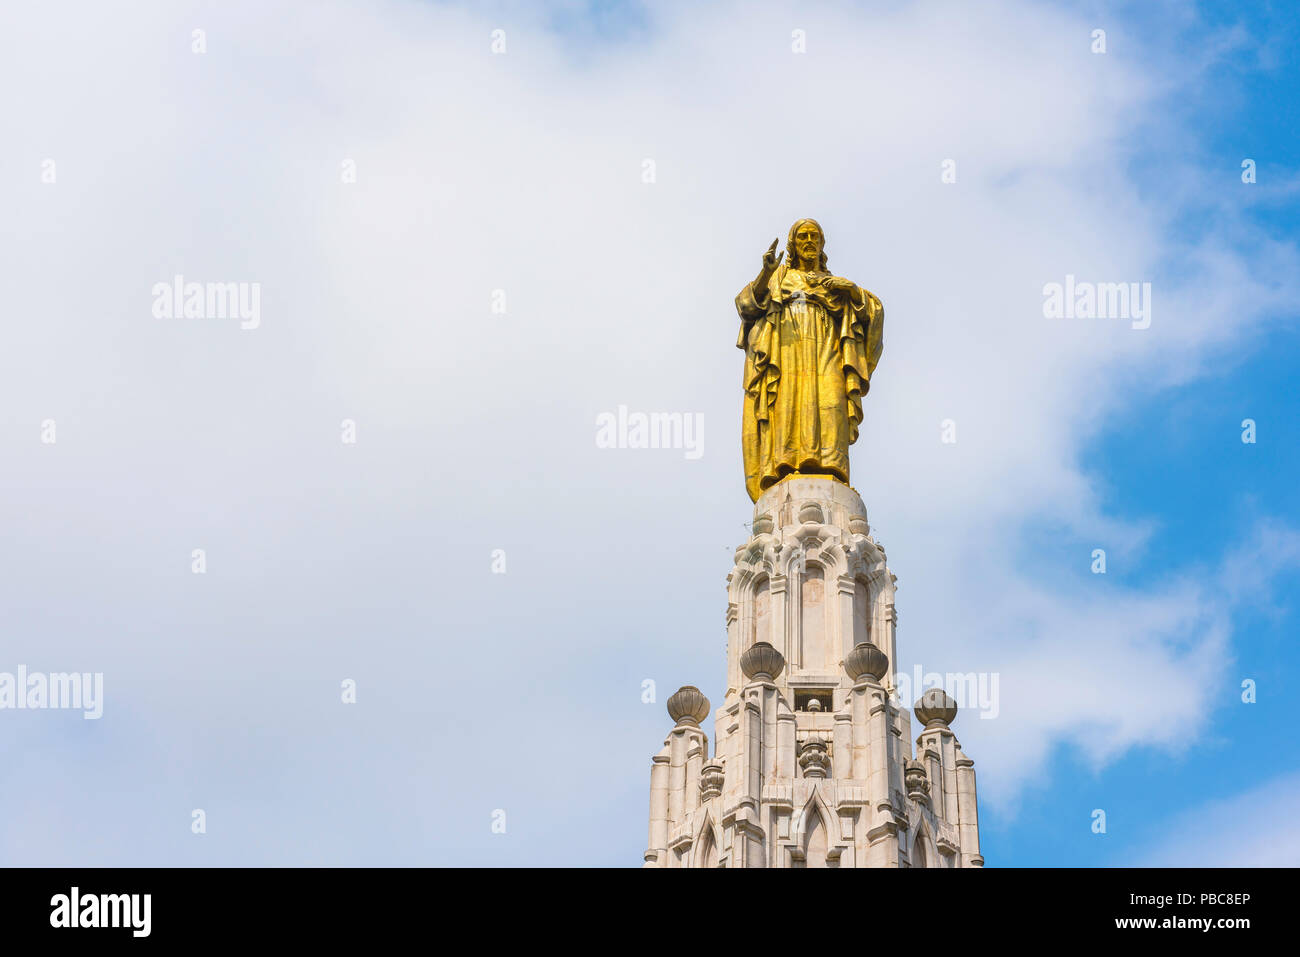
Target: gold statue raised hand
point(811, 342)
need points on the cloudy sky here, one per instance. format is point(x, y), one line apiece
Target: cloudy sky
point(470, 244)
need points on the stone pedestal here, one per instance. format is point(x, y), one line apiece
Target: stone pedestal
point(813, 764)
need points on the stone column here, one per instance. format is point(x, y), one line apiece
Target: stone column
point(658, 846)
point(967, 813)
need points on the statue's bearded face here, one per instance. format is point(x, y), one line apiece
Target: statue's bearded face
point(808, 242)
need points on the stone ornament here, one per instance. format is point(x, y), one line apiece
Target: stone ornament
point(712, 779)
point(866, 660)
point(762, 662)
point(810, 513)
point(918, 784)
point(688, 706)
point(936, 708)
point(814, 758)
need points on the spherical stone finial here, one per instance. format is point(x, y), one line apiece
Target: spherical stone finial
point(763, 525)
point(936, 708)
point(762, 661)
point(688, 706)
point(810, 513)
point(866, 659)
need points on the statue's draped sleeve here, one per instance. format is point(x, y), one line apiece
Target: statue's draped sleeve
point(862, 327)
point(757, 332)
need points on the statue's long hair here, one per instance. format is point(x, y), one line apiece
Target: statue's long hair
point(792, 257)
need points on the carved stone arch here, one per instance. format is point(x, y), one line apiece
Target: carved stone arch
point(924, 852)
point(863, 557)
point(812, 840)
point(834, 559)
point(856, 565)
point(790, 562)
point(708, 848)
point(742, 578)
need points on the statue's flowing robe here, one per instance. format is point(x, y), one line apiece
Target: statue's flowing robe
point(809, 355)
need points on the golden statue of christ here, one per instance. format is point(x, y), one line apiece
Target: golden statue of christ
point(811, 342)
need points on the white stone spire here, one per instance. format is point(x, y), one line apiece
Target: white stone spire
point(814, 765)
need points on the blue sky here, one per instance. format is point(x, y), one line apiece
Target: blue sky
point(523, 172)
point(1175, 458)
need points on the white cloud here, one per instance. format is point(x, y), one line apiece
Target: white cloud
point(1255, 828)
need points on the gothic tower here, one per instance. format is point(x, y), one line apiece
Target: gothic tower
point(813, 764)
